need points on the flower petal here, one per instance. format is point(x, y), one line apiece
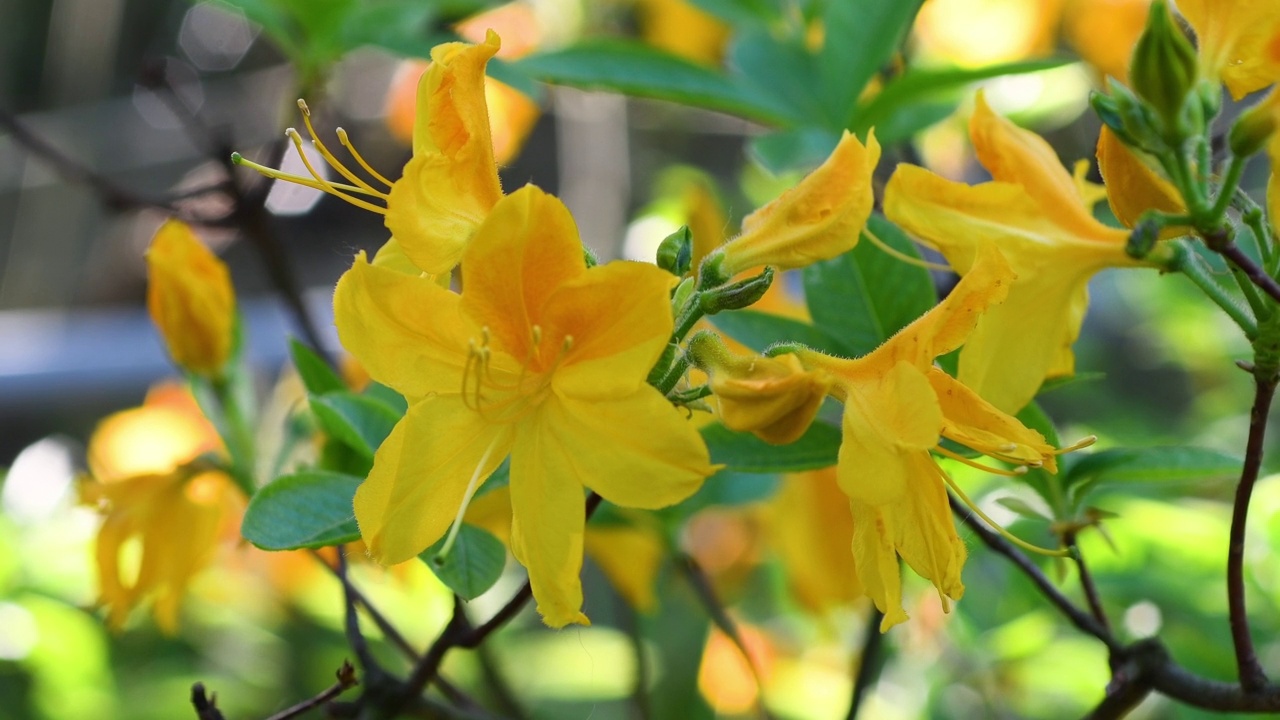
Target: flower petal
point(972, 421)
point(1132, 186)
point(548, 517)
point(420, 475)
point(526, 248)
point(619, 316)
point(638, 451)
point(630, 557)
point(406, 330)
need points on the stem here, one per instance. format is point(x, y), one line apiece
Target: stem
point(1082, 620)
point(1086, 582)
point(1252, 677)
point(240, 439)
point(351, 621)
point(869, 664)
point(1256, 274)
point(389, 630)
point(206, 705)
point(346, 679)
point(1229, 184)
point(1191, 265)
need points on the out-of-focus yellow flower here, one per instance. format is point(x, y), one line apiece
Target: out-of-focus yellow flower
point(1239, 41)
point(682, 29)
point(190, 298)
point(1034, 213)
point(897, 408)
point(984, 32)
point(774, 398)
point(818, 219)
point(810, 528)
point(150, 495)
point(539, 358)
point(1133, 187)
point(1105, 31)
point(726, 679)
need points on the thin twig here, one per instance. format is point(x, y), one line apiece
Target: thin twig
point(1086, 582)
point(390, 631)
point(1252, 676)
point(1252, 270)
point(1082, 620)
point(346, 679)
point(206, 706)
point(355, 638)
point(868, 662)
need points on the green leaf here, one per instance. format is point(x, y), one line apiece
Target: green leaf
point(861, 37)
point(788, 150)
point(636, 69)
point(359, 422)
point(866, 295)
point(741, 12)
point(1046, 485)
point(473, 564)
point(386, 396)
point(758, 330)
point(744, 452)
point(915, 87)
point(906, 121)
point(316, 374)
point(731, 489)
point(1155, 465)
point(304, 510)
point(781, 69)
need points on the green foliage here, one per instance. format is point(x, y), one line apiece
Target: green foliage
point(472, 565)
point(745, 453)
point(1134, 471)
point(357, 421)
point(309, 509)
point(866, 295)
point(317, 377)
point(758, 330)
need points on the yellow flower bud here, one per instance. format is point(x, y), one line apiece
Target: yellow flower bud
point(818, 219)
point(774, 398)
point(190, 298)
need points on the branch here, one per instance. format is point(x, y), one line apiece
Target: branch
point(352, 622)
point(1252, 677)
point(1086, 582)
point(206, 706)
point(868, 662)
point(346, 679)
point(1082, 620)
point(378, 618)
point(1232, 252)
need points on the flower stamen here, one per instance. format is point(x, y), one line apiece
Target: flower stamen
point(470, 492)
point(328, 156)
point(1061, 552)
point(1018, 471)
point(346, 143)
point(334, 189)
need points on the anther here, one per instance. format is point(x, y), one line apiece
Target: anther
point(302, 105)
point(1080, 444)
point(537, 334)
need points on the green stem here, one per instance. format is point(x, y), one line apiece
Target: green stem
point(1228, 189)
point(238, 436)
point(1194, 267)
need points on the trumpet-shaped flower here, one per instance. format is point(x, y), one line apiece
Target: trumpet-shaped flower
point(818, 219)
point(451, 182)
point(539, 358)
point(149, 492)
point(1034, 213)
point(1239, 42)
point(898, 407)
point(190, 298)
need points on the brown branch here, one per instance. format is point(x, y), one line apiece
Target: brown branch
point(355, 638)
point(868, 662)
point(346, 679)
point(1252, 677)
point(390, 631)
point(206, 706)
point(1082, 620)
point(1224, 246)
point(1086, 582)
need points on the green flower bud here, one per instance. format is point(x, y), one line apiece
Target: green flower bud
point(1164, 65)
point(1143, 238)
point(676, 251)
point(1252, 129)
point(738, 295)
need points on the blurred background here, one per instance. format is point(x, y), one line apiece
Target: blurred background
point(113, 108)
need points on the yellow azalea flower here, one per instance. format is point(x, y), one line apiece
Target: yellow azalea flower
point(898, 407)
point(775, 398)
point(539, 358)
point(449, 184)
point(190, 298)
point(973, 33)
point(1033, 211)
point(683, 29)
point(150, 494)
point(808, 525)
point(1133, 187)
point(1105, 31)
point(1239, 41)
point(818, 219)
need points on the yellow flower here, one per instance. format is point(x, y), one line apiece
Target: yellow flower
point(1133, 187)
point(148, 491)
point(1033, 211)
point(683, 29)
point(449, 184)
point(816, 220)
point(775, 398)
point(190, 298)
point(539, 358)
point(898, 407)
point(1239, 41)
point(809, 526)
point(1105, 31)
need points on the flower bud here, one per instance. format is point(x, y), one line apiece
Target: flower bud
point(1253, 128)
point(818, 219)
point(1164, 65)
point(773, 397)
point(738, 295)
point(190, 298)
point(675, 251)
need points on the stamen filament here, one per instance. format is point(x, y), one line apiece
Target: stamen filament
point(346, 143)
point(901, 255)
point(325, 185)
point(1080, 444)
point(328, 156)
point(1063, 552)
point(472, 486)
point(1020, 470)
